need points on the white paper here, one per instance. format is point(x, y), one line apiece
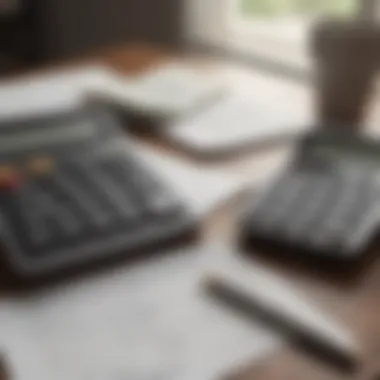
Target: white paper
point(150, 321)
point(239, 119)
point(202, 189)
point(56, 91)
point(169, 89)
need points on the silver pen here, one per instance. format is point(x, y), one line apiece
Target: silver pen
point(266, 299)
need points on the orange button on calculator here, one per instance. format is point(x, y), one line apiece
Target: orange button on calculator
point(9, 177)
point(40, 165)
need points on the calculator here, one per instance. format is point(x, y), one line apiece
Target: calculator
point(73, 192)
point(327, 203)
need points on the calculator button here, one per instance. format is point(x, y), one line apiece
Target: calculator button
point(76, 193)
point(356, 198)
point(332, 224)
point(290, 202)
point(65, 219)
point(113, 190)
point(40, 165)
point(364, 226)
point(346, 201)
point(9, 178)
point(275, 205)
point(303, 215)
point(38, 219)
point(30, 217)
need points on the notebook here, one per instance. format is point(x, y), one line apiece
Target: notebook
point(237, 121)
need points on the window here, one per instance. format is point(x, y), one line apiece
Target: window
point(279, 28)
point(275, 8)
point(289, 19)
point(274, 29)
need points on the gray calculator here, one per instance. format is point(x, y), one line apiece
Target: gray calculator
point(326, 203)
point(72, 192)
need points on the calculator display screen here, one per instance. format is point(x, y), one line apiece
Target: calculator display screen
point(16, 141)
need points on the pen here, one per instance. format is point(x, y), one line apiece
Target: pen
point(306, 327)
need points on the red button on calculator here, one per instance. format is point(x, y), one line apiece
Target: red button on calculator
point(9, 178)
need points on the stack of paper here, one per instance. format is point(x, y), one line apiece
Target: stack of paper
point(236, 121)
point(57, 91)
point(168, 90)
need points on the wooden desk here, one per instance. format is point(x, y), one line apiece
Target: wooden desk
point(357, 304)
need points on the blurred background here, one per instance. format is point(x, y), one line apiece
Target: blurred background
point(33, 32)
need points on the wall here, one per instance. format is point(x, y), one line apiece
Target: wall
point(67, 28)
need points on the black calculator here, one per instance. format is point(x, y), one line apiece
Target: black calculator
point(73, 192)
point(326, 203)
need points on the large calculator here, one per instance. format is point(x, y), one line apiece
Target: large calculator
point(327, 203)
point(72, 193)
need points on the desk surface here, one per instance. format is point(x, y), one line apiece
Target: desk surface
point(357, 303)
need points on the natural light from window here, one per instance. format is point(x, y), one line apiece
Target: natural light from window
point(281, 26)
point(292, 16)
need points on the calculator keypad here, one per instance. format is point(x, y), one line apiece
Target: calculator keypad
point(328, 211)
point(84, 201)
